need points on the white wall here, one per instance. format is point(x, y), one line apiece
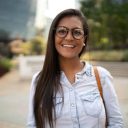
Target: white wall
point(29, 65)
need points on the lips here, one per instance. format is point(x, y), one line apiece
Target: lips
point(68, 45)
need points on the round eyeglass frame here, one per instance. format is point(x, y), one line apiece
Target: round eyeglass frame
point(67, 31)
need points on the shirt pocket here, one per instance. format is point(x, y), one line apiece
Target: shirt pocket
point(58, 101)
point(92, 103)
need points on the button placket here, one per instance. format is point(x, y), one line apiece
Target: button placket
point(71, 89)
point(72, 98)
point(73, 108)
point(72, 105)
point(75, 123)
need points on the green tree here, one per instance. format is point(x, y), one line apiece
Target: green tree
point(92, 10)
point(108, 26)
point(35, 46)
point(117, 22)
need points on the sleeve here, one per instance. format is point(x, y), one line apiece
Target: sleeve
point(31, 119)
point(114, 116)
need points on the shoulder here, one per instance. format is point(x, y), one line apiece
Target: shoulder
point(103, 72)
point(34, 78)
point(35, 75)
point(33, 84)
point(105, 76)
point(106, 79)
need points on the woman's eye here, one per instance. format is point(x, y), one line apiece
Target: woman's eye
point(62, 31)
point(77, 32)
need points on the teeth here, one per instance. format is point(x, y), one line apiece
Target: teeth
point(68, 45)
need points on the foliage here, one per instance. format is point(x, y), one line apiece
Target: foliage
point(5, 63)
point(112, 55)
point(107, 19)
point(4, 50)
point(35, 46)
point(125, 56)
point(25, 48)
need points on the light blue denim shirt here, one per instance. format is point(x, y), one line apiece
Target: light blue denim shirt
point(83, 106)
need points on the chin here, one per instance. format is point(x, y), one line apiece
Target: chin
point(69, 56)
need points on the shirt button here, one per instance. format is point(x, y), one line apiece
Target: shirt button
point(71, 89)
point(72, 105)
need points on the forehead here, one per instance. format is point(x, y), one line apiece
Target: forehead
point(71, 22)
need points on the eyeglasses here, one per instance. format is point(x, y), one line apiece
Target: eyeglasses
point(62, 32)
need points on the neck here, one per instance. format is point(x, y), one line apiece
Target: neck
point(71, 65)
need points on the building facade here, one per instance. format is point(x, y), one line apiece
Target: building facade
point(17, 17)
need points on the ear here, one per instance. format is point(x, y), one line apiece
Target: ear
point(83, 44)
point(85, 40)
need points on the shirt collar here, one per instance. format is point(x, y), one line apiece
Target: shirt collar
point(87, 69)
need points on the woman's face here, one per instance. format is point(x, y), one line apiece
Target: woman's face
point(69, 37)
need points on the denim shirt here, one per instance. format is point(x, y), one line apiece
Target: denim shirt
point(82, 106)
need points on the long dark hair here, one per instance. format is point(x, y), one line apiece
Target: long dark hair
point(48, 80)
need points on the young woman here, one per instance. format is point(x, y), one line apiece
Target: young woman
point(65, 93)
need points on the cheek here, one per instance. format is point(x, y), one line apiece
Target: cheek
point(82, 43)
point(57, 43)
point(57, 40)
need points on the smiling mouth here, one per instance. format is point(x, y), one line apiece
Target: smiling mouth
point(68, 45)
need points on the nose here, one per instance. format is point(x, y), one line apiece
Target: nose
point(69, 36)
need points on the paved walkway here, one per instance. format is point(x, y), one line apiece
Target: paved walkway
point(14, 99)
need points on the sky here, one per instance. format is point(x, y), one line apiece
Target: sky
point(50, 8)
point(55, 6)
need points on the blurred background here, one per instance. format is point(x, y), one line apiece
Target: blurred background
point(24, 26)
